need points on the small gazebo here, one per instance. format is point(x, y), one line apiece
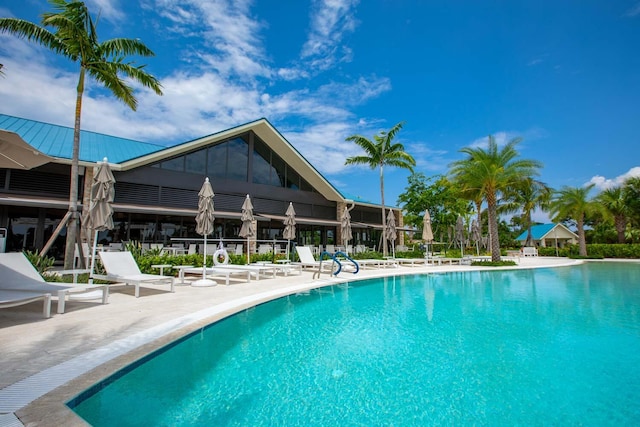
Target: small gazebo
point(550, 235)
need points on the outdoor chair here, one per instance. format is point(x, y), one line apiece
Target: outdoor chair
point(18, 274)
point(122, 267)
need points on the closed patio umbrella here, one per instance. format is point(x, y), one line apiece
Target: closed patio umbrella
point(289, 226)
point(345, 228)
point(427, 232)
point(247, 230)
point(391, 232)
point(204, 226)
point(100, 214)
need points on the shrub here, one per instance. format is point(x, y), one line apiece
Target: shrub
point(504, 263)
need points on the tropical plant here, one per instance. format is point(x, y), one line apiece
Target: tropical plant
point(381, 152)
point(42, 263)
point(631, 194)
point(525, 197)
point(573, 203)
point(615, 206)
point(74, 36)
point(436, 194)
point(492, 172)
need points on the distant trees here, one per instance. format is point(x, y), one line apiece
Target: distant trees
point(524, 197)
point(491, 173)
point(379, 152)
point(574, 203)
point(437, 194)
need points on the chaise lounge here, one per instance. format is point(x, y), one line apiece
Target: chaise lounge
point(18, 274)
point(121, 267)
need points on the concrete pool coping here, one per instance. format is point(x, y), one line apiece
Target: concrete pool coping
point(46, 362)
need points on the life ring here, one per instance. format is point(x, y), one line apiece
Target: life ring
point(220, 253)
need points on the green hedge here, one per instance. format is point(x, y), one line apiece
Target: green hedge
point(596, 250)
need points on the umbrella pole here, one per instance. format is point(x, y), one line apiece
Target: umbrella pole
point(248, 252)
point(93, 257)
point(204, 260)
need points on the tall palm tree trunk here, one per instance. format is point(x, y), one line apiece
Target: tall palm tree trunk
point(384, 234)
point(72, 225)
point(529, 241)
point(492, 209)
point(582, 241)
point(621, 225)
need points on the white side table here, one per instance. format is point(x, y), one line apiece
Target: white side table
point(181, 269)
point(161, 267)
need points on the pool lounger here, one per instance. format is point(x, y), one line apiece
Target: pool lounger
point(213, 272)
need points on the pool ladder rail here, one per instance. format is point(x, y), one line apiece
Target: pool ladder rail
point(336, 263)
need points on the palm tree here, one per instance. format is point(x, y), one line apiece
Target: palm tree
point(492, 172)
point(573, 203)
point(75, 38)
point(379, 153)
point(525, 197)
point(631, 194)
point(614, 204)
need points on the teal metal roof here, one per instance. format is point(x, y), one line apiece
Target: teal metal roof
point(538, 231)
point(57, 141)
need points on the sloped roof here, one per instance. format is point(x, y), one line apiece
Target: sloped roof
point(125, 154)
point(540, 231)
point(57, 141)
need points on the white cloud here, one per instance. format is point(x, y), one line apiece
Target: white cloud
point(106, 9)
point(633, 11)
point(331, 20)
point(202, 99)
point(501, 138)
point(603, 183)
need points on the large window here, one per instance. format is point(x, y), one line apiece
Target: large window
point(228, 159)
point(270, 169)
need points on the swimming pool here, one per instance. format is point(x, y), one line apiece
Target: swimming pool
point(547, 346)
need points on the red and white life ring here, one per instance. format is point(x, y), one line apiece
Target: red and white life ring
point(220, 253)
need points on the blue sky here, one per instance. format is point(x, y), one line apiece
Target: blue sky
point(564, 75)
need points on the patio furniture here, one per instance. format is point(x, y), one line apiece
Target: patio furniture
point(122, 267)
point(18, 274)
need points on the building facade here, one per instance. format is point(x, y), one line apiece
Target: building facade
point(156, 190)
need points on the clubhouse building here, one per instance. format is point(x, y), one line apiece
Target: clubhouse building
point(156, 190)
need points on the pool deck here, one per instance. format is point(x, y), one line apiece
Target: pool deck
point(46, 362)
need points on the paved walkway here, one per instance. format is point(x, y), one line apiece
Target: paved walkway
point(45, 362)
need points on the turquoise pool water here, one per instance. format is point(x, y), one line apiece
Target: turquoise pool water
point(531, 347)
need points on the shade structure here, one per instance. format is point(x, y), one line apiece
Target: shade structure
point(427, 231)
point(204, 226)
point(391, 232)
point(289, 226)
point(16, 153)
point(100, 214)
point(475, 235)
point(460, 234)
point(247, 230)
point(345, 227)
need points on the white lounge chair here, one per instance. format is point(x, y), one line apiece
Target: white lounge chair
point(529, 251)
point(306, 257)
point(255, 269)
point(121, 267)
point(9, 298)
point(308, 261)
point(18, 274)
point(213, 272)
